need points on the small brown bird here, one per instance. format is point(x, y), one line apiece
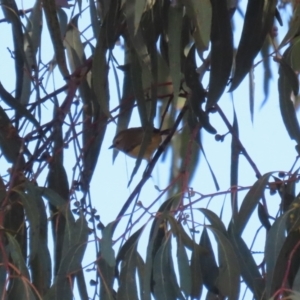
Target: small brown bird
point(129, 141)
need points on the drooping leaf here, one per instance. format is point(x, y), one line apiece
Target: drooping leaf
point(293, 29)
point(32, 214)
point(249, 203)
point(56, 36)
point(165, 286)
point(221, 52)
point(183, 268)
point(196, 274)
point(10, 10)
point(17, 106)
point(287, 82)
point(106, 249)
point(10, 142)
point(17, 256)
point(130, 259)
point(274, 242)
point(200, 13)
point(197, 94)
point(215, 221)
point(248, 267)
point(100, 73)
point(73, 44)
point(175, 16)
point(287, 265)
point(234, 165)
point(208, 264)
point(106, 280)
point(74, 245)
point(41, 262)
point(257, 23)
point(228, 282)
point(263, 216)
point(294, 57)
point(32, 42)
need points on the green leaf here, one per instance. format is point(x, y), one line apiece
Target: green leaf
point(228, 281)
point(16, 255)
point(208, 265)
point(214, 220)
point(197, 280)
point(55, 34)
point(293, 28)
point(73, 44)
point(197, 95)
point(295, 59)
point(184, 268)
point(10, 11)
point(131, 261)
point(32, 214)
point(221, 52)
point(32, 42)
point(249, 203)
point(10, 144)
point(274, 242)
point(106, 280)
point(127, 284)
point(257, 23)
point(175, 16)
point(234, 164)
point(74, 245)
point(284, 260)
point(287, 82)
point(249, 269)
point(200, 12)
point(17, 106)
point(100, 73)
point(165, 284)
point(107, 252)
point(75, 242)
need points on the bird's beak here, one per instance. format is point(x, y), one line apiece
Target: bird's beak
point(111, 147)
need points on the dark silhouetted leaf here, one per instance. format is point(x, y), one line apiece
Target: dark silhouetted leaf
point(295, 60)
point(273, 246)
point(183, 268)
point(214, 220)
point(17, 106)
point(197, 280)
point(258, 21)
point(221, 52)
point(208, 265)
point(228, 282)
point(234, 165)
point(56, 34)
point(10, 11)
point(283, 261)
point(165, 284)
point(32, 42)
point(74, 45)
point(263, 216)
point(249, 203)
point(287, 82)
point(197, 95)
point(10, 144)
point(249, 269)
point(293, 28)
point(200, 12)
point(175, 17)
